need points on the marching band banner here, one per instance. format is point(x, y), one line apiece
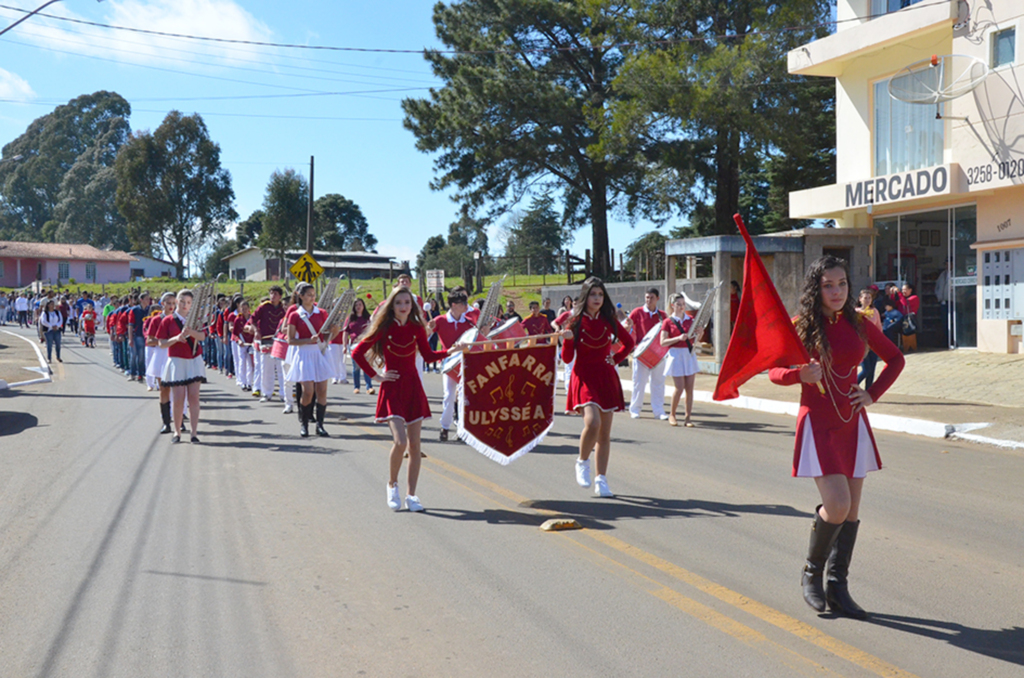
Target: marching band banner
point(507, 400)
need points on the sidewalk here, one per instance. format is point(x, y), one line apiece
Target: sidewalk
point(975, 396)
point(19, 361)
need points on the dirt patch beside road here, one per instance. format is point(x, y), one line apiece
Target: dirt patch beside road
point(15, 355)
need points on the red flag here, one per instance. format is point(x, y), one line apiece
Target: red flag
point(764, 335)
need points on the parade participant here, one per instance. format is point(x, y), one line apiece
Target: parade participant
point(243, 334)
point(184, 370)
point(89, 326)
point(547, 312)
point(223, 337)
point(535, 323)
point(681, 364)
point(150, 341)
point(336, 355)
point(267, 318)
point(911, 304)
point(309, 367)
point(158, 358)
point(866, 308)
point(352, 330)
point(231, 330)
point(396, 335)
point(594, 387)
point(510, 312)
point(51, 320)
point(557, 325)
point(293, 391)
point(640, 321)
point(136, 338)
point(834, 443)
point(449, 327)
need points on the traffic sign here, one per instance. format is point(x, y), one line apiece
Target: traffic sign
point(306, 269)
point(435, 280)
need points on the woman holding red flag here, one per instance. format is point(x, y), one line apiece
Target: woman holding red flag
point(594, 387)
point(834, 443)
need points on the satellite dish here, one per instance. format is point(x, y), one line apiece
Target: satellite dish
point(938, 79)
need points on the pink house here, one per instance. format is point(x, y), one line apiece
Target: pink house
point(22, 263)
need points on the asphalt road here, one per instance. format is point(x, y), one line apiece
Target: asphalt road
point(259, 553)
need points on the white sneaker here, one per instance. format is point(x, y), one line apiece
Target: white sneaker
point(394, 501)
point(583, 472)
point(601, 487)
point(412, 502)
point(264, 399)
point(288, 409)
point(663, 417)
point(634, 415)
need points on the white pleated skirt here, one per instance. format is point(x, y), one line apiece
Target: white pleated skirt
point(183, 371)
point(681, 363)
point(308, 364)
point(156, 359)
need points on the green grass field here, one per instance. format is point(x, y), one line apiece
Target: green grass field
point(521, 289)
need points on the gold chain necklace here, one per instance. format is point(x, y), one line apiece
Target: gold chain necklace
point(831, 378)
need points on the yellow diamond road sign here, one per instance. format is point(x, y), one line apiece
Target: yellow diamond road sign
point(306, 269)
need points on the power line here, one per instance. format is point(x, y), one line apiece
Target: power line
point(539, 50)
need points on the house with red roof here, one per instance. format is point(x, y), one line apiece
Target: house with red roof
point(22, 263)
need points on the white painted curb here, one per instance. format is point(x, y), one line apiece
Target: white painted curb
point(881, 422)
point(43, 368)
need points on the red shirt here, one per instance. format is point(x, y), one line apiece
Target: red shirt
point(238, 330)
point(912, 303)
point(317, 318)
point(122, 322)
point(597, 336)
point(89, 322)
point(267, 317)
point(561, 318)
point(449, 328)
point(644, 320)
point(673, 328)
point(536, 325)
point(170, 327)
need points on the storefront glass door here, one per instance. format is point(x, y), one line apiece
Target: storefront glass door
point(964, 298)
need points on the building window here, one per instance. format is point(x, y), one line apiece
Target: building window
point(238, 274)
point(2, 273)
point(907, 136)
point(90, 271)
point(1004, 47)
point(63, 270)
point(880, 7)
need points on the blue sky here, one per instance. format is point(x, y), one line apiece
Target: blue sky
point(362, 151)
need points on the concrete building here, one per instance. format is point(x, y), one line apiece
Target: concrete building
point(939, 183)
point(22, 263)
point(146, 266)
point(252, 264)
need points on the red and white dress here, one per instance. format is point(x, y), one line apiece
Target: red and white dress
point(830, 438)
point(402, 398)
point(156, 357)
point(681, 361)
point(593, 379)
point(184, 358)
point(308, 363)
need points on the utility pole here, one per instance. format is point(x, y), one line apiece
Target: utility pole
point(309, 212)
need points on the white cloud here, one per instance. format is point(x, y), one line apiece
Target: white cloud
point(211, 18)
point(13, 86)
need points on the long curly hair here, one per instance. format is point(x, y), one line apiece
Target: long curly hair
point(383, 317)
point(580, 305)
point(810, 323)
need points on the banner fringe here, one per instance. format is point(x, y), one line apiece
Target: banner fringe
point(486, 450)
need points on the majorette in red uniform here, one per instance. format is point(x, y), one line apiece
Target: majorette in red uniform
point(402, 398)
point(309, 366)
point(594, 379)
point(184, 371)
point(641, 320)
point(450, 327)
point(594, 387)
point(830, 437)
point(834, 443)
point(398, 336)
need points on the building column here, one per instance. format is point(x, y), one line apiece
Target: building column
point(19, 271)
point(691, 268)
point(670, 280)
point(722, 267)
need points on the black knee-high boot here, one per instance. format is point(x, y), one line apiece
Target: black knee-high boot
point(838, 593)
point(298, 399)
point(165, 415)
point(305, 414)
point(823, 535)
point(321, 414)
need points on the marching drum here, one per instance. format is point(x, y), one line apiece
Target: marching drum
point(279, 349)
point(452, 365)
point(649, 351)
point(510, 330)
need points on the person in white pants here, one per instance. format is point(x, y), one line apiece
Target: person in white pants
point(449, 327)
point(266, 321)
point(640, 322)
